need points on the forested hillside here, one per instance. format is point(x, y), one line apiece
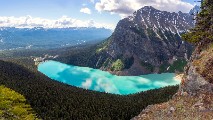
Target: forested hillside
point(54, 100)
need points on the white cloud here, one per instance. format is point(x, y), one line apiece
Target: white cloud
point(106, 86)
point(127, 7)
point(85, 10)
point(63, 22)
point(87, 84)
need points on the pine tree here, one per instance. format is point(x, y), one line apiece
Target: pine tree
point(203, 31)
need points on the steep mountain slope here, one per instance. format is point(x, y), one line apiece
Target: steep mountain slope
point(194, 98)
point(146, 42)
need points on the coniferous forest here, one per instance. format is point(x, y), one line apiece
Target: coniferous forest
point(54, 100)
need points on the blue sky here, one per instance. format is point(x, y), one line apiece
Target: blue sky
point(52, 9)
point(107, 12)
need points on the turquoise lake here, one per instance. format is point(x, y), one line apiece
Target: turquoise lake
point(95, 79)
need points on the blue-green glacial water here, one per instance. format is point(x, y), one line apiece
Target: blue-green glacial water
point(94, 79)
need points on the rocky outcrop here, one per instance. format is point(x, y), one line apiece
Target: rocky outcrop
point(193, 82)
point(196, 79)
point(151, 37)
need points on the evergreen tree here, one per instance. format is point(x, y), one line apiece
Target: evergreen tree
point(202, 33)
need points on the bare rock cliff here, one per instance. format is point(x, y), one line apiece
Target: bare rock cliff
point(147, 42)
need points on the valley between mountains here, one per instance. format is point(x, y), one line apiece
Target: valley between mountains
point(149, 41)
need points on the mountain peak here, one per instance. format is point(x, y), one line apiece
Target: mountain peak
point(149, 37)
point(146, 8)
point(195, 9)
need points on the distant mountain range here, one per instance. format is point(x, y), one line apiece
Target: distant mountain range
point(38, 37)
point(149, 41)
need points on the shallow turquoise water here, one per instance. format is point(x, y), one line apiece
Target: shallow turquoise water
point(102, 81)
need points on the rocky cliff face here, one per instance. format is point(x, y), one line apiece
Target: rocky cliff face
point(146, 42)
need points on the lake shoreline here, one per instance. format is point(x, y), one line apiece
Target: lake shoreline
point(103, 81)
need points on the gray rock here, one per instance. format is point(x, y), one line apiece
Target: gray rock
point(151, 35)
point(194, 82)
point(172, 109)
point(198, 104)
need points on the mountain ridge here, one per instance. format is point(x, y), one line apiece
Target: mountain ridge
point(12, 38)
point(147, 42)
